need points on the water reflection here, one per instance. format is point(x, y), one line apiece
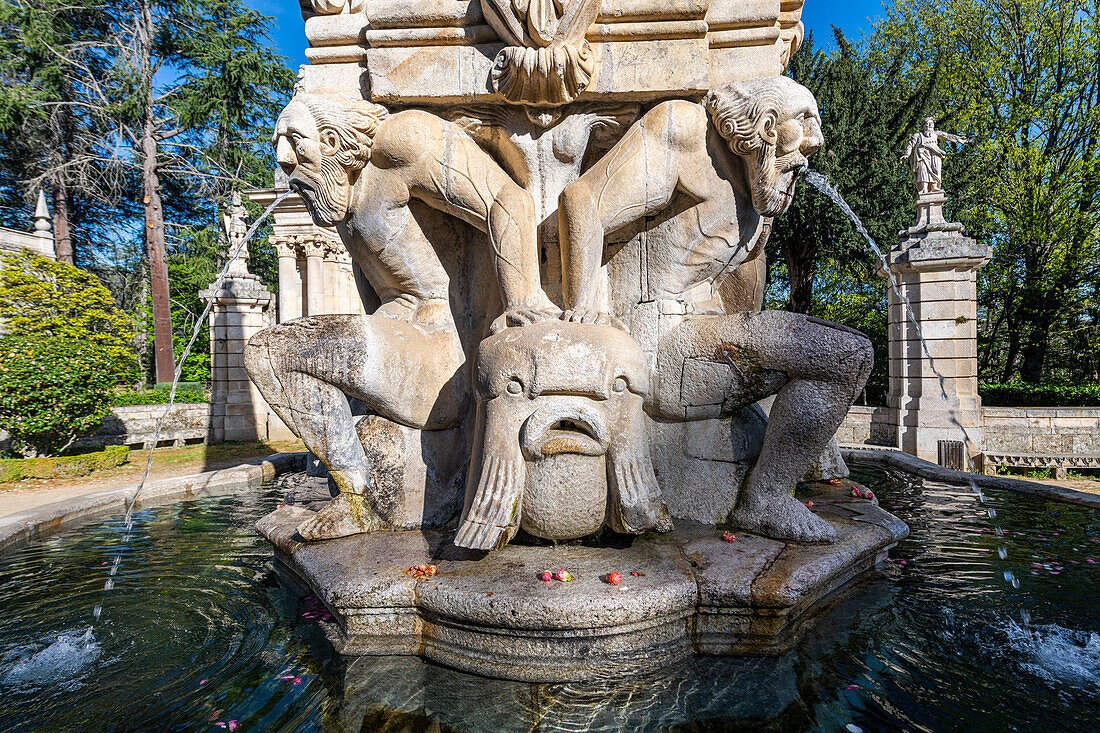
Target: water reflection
point(199, 632)
point(708, 693)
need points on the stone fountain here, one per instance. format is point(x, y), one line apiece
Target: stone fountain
point(557, 210)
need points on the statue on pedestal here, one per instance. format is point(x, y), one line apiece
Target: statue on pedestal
point(925, 156)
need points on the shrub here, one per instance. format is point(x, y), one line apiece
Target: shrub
point(185, 394)
point(1024, 394)
point(16, 469)
point(52, 391)
point(40, 297)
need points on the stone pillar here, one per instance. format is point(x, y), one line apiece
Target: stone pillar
point(290, 297)
point(315, 276)
point(237, 409)
point(935, 268)
point(43, 227)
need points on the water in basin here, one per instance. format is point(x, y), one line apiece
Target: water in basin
point(198, 632)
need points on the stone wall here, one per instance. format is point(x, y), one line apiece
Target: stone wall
point(1041, 430)
point(135, 426)
point(868, 425)
point(1027, 430)
point(41, 241)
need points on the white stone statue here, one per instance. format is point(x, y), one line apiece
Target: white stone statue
point(733, 161)
point(363, 170)
point(925, 156)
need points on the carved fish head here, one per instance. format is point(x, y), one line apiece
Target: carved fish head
point(563, 446)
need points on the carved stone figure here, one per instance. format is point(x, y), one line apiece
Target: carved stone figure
point(547, 60)
point(561, 442)
point(337, 7)
point(731, 163)
point(925, 156)
point(362, 170)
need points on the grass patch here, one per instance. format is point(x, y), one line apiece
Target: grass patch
point(17, 469)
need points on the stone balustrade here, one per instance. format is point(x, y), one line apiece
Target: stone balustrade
point(136, 426)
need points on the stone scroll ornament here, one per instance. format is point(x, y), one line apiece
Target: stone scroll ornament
point(547, 60)
point(561, 446)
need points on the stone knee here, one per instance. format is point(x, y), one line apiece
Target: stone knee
point(272, 355)
point(853, 351)
point(259, 362)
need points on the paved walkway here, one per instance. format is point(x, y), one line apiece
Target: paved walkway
point(26, 495)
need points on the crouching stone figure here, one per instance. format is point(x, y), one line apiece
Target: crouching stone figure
point(733, 162)
point(358, 168)
point(561, 444)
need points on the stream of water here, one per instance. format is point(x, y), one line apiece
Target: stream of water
point(83, 648)
point(825, 186)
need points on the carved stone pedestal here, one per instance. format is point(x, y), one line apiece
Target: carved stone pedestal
point(935, 268)
point(237, 409)
point(493, 616)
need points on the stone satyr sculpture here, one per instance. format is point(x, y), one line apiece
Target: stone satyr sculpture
point(357, 168)
point(561, 437)
point(559, 220)
point(737, 157)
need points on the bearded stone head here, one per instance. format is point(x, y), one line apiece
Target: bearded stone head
point(773, 125)
point(321, 143)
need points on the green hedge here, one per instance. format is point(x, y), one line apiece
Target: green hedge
point(186, 393)
point(53, 390)
point(1023, 394)
point(16, 469)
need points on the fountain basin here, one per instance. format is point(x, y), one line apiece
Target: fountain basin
point(197, 632)
point(491, 614)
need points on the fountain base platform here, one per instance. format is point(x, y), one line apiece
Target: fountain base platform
point(492, 615)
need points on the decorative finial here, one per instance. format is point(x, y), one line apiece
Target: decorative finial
point(42, 222)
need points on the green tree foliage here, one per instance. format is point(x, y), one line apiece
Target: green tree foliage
point(47, 299)
point(1022, 80)
point(53, 390)
point(48, 48)
point(173, 104)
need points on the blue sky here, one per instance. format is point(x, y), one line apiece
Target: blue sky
point(854, 17)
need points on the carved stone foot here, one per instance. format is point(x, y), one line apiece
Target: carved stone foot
point(347, 514)
point(782, 518)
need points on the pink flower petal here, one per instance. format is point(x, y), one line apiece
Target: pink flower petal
point(233, 725)
point(297, 680)
point(853, 687)
point(287, 677)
